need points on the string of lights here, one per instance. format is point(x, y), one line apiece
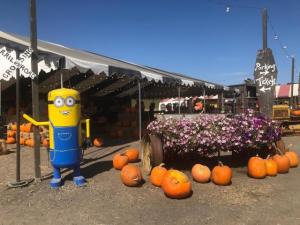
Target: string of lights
point(284, 48)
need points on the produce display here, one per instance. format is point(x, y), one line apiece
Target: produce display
point(208, 134)
point(26, 135)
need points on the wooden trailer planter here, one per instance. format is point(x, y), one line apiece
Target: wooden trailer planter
point(152, 152)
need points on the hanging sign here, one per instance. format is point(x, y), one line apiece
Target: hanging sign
point(10, 63)
point(265, 75)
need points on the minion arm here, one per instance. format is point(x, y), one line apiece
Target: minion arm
point(87, 127)
point(34, 122)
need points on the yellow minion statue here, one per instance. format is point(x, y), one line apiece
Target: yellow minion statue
point(64, 123)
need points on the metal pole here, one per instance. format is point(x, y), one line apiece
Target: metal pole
point(264, 28)
point(61, 80)
point(292, 84)
point(234, 104)
point(35, 88)
point(179, 99)
point(18, 159)
point(0, 98)
point(140, 111)
point(18, 182)
point(204, 101)
point(298, 99)
point(222, 102)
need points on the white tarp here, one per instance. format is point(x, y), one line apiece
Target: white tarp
point(152, 76)
point(83, 66)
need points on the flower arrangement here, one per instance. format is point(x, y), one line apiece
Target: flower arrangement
point(208, 133)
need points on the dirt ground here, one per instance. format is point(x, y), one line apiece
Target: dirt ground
point(105, 200)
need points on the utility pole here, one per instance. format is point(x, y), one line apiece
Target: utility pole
point(292, 84)
point(265, 28)
point(35, 87)
point(298, 98)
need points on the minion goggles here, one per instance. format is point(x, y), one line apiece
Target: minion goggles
point(59, 101)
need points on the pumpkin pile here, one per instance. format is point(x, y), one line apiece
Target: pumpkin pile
point(131, 175)
point(26, 134)
point(259, 168)
point(174, 183)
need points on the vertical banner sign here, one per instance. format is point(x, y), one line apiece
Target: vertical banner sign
point(265, 75)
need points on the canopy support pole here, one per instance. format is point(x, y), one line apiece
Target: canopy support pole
point(35, 88)
point(140, 110)
point(18, 182)
point(18, 121)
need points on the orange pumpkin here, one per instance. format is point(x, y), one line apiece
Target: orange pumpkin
point(22, 141)
point(13, 126)
point(176, 184)
point(295, 112)
point(133, 154)
point(221, 175)
point(98, 142)
point(45, 142)
point(293, 157)
point(11, 133)
point(29, 142)
point(131, 175)
point(22, 127)
point(283, 163)
point(27, 127)
point(257, 167)
point(157, 175)
point(10, 140)
point(271, 167)
point(119, 161)
point(201, 173)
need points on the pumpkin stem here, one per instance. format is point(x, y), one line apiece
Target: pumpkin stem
point(161, 165)
point(268, 156)
point(220, 163)
point(136, 179)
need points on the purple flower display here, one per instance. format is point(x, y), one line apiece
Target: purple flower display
point(208, 133)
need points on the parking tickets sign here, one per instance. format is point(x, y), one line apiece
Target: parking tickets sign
point(10, 63)
point(265, 75)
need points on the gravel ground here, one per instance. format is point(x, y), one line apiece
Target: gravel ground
point(274, 200)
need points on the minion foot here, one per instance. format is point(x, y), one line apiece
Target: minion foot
point(79, 181)
point(55, 183)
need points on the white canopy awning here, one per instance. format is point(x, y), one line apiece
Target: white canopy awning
point(49, 55)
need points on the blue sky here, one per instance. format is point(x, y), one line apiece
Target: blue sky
point(196, 38)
